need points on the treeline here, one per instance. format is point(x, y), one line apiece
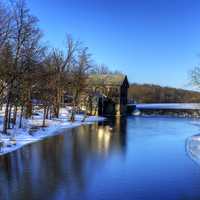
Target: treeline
point(30, 70)
point(148, 93)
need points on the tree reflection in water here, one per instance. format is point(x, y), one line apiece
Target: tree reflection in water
point(61, 166)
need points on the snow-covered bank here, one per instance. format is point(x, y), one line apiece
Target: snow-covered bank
point(184, 110)
point(171, 106)
point(193, 148)
point(33, 132)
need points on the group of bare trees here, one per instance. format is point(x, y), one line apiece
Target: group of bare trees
point(30, 70)
point(19, 52)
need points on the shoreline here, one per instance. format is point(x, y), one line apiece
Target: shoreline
point(193, 148)
point(55, 126)
point(177, 115)
point(23, 137)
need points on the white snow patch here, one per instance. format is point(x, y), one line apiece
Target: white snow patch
point(193, 148)
point(192, 106)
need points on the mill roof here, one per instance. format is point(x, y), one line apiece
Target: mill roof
point(108, 79)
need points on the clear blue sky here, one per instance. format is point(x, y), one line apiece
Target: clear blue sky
point(152, 41)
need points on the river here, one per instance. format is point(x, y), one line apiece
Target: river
point(140, 158)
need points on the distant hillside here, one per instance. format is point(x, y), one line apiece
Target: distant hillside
point(147, 93)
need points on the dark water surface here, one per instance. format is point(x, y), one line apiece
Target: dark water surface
point(142, 158)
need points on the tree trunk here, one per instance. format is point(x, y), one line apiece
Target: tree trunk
point(1, 106)
point(56, 106)
point(90, 105)
point(50, 112)
point(47, 112)
point(28, 109)
point(15, 116)
point(44, 116)
point(21, 115)
point(5, 122)
point(9, 116)
point(72, 118)
point(29, 106)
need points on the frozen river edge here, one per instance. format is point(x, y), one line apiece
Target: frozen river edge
point(193, 148)
point(54, 127)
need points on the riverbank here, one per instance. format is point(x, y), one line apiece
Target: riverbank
point(33, 131)
point(170, 113)
point(193, 148)
point(183, 110)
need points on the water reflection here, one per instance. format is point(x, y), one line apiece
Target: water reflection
point(61, 167)
point(141, 158)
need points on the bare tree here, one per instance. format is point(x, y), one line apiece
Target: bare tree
point(100, 69)
point(63, 64)
point(5, 25)
point(28, 71)
point(80, 72)
point(195, 77)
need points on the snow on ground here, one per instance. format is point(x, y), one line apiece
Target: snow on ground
point(169, 106)
point(193, 148)
point(31, 133)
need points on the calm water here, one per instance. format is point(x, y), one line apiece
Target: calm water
point(133, 158)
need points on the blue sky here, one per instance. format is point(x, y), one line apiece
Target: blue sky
point(152, 41)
